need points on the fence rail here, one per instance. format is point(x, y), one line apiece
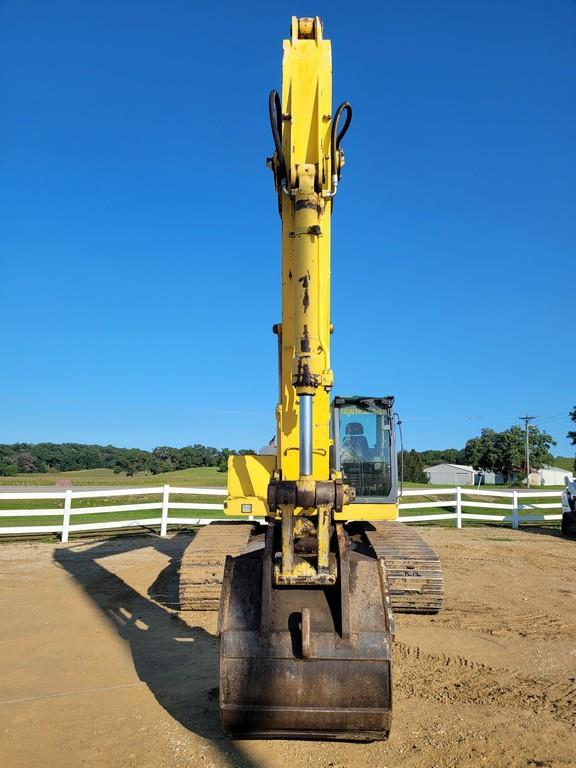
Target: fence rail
point(457, 498)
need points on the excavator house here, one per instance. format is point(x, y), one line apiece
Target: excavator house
point(308, 594)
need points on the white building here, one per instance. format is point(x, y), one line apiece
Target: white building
point(450, 474)
point(462, 474)
point(554, 475)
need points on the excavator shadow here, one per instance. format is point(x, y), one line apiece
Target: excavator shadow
point(544, 530)
point(178, 662)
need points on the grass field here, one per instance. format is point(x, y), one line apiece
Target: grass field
point(564, 462)
point(197, 476)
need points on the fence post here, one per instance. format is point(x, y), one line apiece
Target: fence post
point(458, 507)
point(515, 509)
point(165, 500)
point(66, 516)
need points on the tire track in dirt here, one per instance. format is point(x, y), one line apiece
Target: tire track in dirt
point(500, 622)
point(459, 680)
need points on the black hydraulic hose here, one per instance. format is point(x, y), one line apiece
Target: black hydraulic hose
point(275, 113)
point(399, 424)
point(337, 135)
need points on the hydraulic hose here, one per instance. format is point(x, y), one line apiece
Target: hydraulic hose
point(275, 114)
point(399, 424)
point(337, 135)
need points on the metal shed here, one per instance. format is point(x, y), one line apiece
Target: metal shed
point(554, 475)
point(450, 474)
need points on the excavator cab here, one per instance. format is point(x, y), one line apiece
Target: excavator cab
point(364, 447)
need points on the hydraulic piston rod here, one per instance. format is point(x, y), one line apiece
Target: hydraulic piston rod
point(305, 435)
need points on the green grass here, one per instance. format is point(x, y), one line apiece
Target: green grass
point(564, 462)
point(197, 476)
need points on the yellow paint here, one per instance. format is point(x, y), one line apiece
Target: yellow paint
point(306, 209)
point(307, 99)
point(368, 512)
point(248, 478)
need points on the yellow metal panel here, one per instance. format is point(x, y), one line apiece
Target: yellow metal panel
point(248, 478)
point(368, 512)
point(244, 507)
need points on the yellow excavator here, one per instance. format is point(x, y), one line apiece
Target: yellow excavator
point(307, 596)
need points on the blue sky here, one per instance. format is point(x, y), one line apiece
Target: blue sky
point(139, 237)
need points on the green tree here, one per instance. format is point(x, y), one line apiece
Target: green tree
point(133, 460)
point(19, 458)
point(223, 463)
point(413, 468)
point(27, 462)
point(504, 452)
point(448, 455)
point(157, 467)
point(483, 452)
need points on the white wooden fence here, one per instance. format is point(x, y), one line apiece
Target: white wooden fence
point(511, 509)
point(459, 501)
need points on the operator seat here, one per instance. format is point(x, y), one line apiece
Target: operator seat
point(355, 440)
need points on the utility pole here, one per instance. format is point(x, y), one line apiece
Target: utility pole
point(526, 419)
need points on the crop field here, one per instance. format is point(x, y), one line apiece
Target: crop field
point(99, 668)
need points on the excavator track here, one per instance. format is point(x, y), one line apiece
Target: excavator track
point(413, 569)
point(202, 565)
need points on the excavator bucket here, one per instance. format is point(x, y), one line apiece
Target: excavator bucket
point(305, 662)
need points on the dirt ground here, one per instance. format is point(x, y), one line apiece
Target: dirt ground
point(97, 668)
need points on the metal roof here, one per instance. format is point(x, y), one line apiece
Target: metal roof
point(454, 466)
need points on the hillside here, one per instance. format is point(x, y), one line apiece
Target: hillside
point(564, 462)
point(195, 477)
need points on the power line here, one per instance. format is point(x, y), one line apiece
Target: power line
point(476, 417)
point(556, 416)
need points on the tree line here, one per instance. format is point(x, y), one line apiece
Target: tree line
point(501, 452)
point(26, 458)
point(493, 451)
